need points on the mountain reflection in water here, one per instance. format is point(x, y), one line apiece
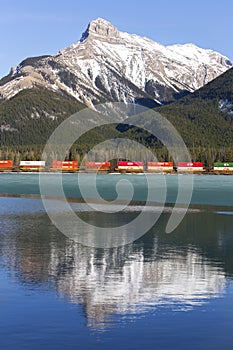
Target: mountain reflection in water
point(181, 271)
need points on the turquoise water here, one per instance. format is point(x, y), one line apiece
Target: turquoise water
point(163, 291)
point(208, 189)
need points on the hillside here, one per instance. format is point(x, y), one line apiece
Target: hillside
point(30, 117)
point(205, 117)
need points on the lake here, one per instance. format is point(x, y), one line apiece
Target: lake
point(162, 291)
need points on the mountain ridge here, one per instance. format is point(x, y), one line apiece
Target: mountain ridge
point(109, 65)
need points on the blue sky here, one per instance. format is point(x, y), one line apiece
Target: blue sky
point(32, 27)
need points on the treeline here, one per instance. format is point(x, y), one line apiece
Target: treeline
point(137, 153)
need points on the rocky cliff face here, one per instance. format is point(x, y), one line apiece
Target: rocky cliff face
point(109, 65)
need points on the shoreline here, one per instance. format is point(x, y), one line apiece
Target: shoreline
point(115, 173)
point(195, 207)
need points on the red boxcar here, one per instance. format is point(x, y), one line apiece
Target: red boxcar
point(130, 166)
point(190, 166)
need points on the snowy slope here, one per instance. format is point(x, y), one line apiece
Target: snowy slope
point(109, 65)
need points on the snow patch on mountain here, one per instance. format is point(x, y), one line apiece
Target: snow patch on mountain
point(226, 106)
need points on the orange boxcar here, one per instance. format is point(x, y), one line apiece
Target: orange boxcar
point(6, 164)
point(97, 166)
point(65, 165)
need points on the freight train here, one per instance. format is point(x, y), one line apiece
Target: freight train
point(120, 166)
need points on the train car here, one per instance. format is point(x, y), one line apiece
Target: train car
point(29, 165)
point(130, 167)
point(65, 165)
point(97, 166)
point(160, 167)
point(6, 165)
point(223, 167)
point(192, 167)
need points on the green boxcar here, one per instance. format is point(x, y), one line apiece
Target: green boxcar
point(223, 165)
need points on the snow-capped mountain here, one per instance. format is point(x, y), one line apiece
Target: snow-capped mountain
point(109, 65)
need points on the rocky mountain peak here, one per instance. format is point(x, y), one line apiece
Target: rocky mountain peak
point(109, 65)
point(101, 28)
